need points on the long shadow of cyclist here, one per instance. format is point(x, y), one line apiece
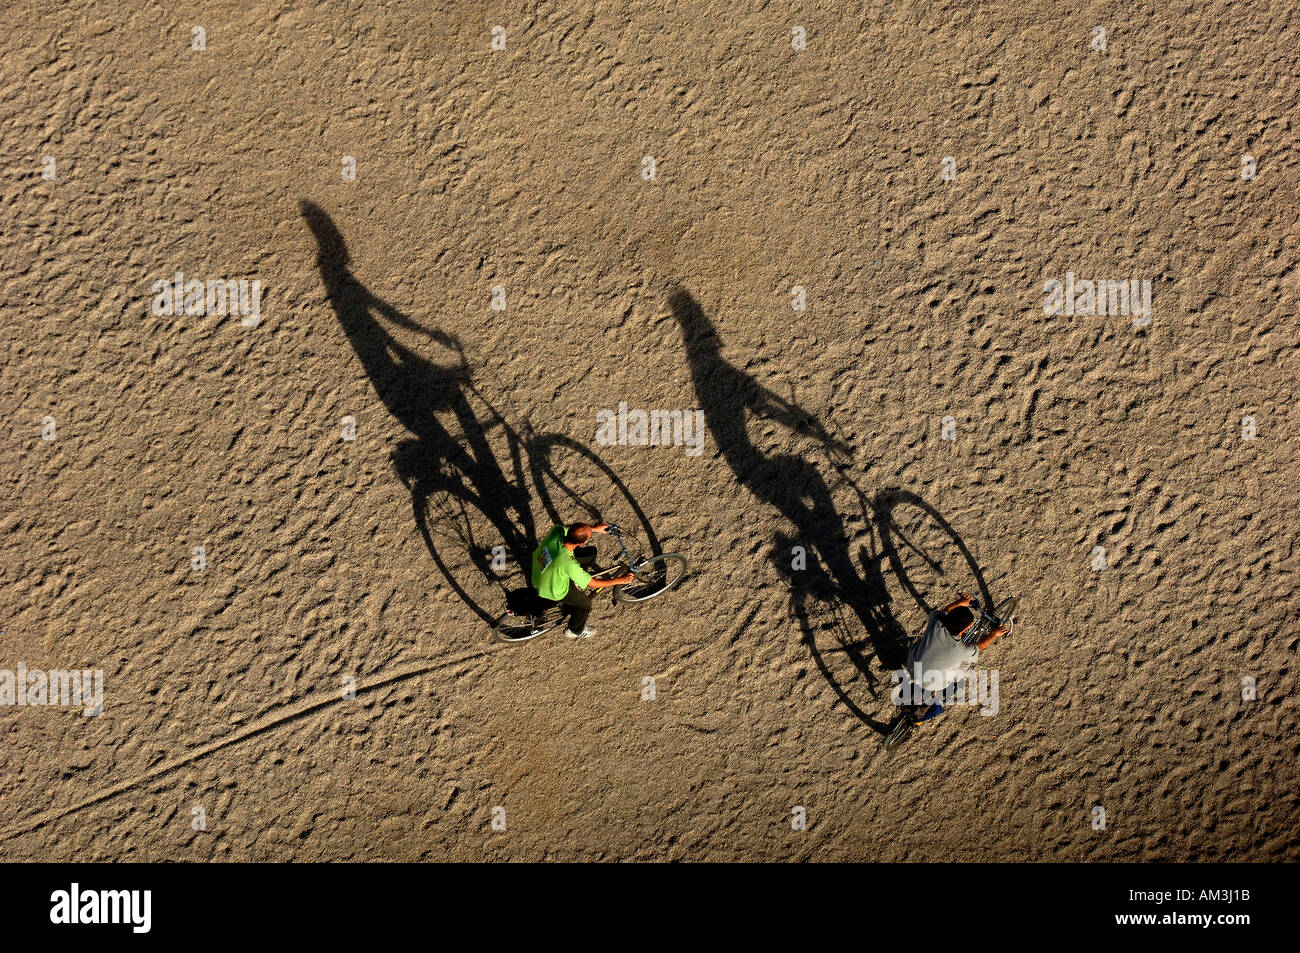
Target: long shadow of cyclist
point(448, 474)
point(795, 486)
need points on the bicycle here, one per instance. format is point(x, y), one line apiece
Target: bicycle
point(654, 576)
point(985, 623)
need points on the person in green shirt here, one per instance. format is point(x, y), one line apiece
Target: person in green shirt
point(561, 572)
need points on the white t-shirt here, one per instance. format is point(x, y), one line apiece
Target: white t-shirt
point(937, 652)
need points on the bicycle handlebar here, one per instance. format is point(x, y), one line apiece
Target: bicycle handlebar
point(982, 616)
point(614, 530)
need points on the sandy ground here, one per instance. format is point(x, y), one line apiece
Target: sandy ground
point(523, 168)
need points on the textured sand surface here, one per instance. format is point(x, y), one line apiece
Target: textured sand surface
point(522, 168)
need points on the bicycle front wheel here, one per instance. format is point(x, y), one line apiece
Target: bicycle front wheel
point(654, 577)
point(1006, 608)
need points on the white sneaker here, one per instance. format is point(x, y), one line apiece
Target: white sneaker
point(586, 633)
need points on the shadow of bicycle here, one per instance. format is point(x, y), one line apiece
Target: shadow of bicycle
point(466, 467)
point(911, 550)
point(835, 559)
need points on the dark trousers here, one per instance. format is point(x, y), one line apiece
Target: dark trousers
point(579, 604)
point(578, 600)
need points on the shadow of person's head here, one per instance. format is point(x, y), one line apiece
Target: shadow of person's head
point(330, 245)
point(697, 330)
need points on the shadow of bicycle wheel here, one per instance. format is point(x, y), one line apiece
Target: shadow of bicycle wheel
point(919, 545)
point(570, 477)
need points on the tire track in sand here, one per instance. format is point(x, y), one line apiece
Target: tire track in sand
point(263, 724)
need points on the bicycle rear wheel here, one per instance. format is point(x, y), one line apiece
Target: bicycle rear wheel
point(654, 577)
point(902, 731)
point(514, 628)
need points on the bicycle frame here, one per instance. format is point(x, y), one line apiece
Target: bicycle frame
point(979, 628)
point(633, 563)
